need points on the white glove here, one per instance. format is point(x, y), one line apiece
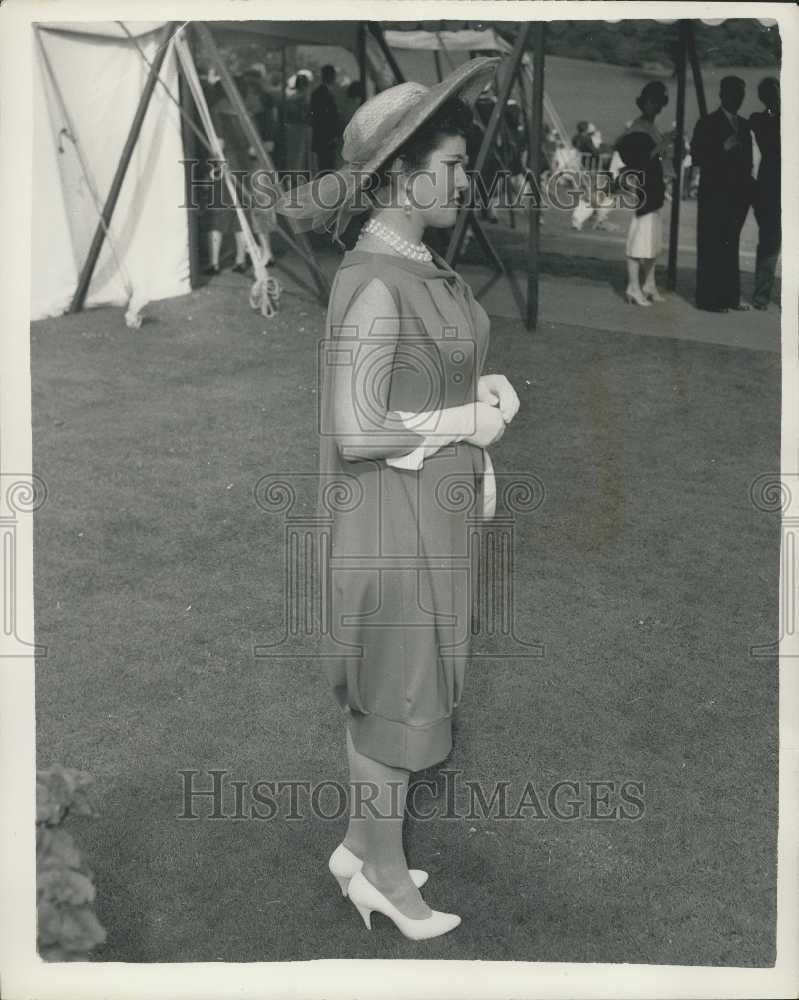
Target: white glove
point(496, 390)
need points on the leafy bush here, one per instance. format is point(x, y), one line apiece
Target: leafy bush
point(68, 927)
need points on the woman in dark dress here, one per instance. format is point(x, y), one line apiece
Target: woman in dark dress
point(641, 147)
point(406, 419)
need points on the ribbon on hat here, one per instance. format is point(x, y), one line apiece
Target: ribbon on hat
point(328, 202)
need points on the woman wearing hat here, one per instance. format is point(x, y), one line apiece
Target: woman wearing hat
point(406, 418)
point(641, 147)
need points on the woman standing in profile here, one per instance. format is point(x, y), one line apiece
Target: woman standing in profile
point(641, 147)
point(406, 421)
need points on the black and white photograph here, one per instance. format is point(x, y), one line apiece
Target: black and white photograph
point(399, 500)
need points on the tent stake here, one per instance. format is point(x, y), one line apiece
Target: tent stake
point(85, 278)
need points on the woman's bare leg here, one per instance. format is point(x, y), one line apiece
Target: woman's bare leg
point(375, 831)
point(648, 276)
point(633, 280)
point(214, 246)
point(241, 248)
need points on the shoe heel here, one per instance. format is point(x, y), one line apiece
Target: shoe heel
point(366, 914)
point(343, 882)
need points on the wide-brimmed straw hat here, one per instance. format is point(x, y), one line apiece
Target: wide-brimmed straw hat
point(375, 133)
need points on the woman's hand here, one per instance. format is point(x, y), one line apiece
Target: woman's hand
point(489, 425)
point(496, 390)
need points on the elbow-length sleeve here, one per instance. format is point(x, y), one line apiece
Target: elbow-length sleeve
point(360, 362)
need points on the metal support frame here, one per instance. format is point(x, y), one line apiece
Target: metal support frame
point(696, 70)
point(297, 241)
point(377, 32)
point(466, 216)
point(535, 124)
point(361, 57)
point(679, 145)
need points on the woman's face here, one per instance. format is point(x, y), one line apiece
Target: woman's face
point(437, 190)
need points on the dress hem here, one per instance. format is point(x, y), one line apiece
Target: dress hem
point(398, 744)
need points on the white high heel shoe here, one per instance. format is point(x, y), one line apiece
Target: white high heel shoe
point(343, 864)
point(367, 898)
point(636, 298)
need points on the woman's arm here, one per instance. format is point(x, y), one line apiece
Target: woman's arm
point(365, 350)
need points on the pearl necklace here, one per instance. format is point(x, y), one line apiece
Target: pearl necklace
point(413, 251)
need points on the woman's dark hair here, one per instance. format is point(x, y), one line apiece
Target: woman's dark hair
point(653, 91)
point(453, 118)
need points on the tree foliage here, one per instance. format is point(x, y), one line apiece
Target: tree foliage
point(736, 42)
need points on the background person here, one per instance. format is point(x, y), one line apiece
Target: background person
point(353, 99)
point(237, 152)
point(325, 121)
point(722, 149)
point(766, 128)
point(298, 127)
point(641, 146)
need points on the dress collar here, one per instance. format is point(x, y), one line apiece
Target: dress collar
point(436, 268)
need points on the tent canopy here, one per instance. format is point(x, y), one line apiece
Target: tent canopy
point(276, 34)
point(465, 40)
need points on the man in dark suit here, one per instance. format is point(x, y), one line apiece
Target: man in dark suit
point(722, 149)
point(766, 127)
point(325, 123)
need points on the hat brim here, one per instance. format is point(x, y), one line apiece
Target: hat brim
point(466, 82)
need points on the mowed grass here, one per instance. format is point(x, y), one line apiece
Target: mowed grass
point(647, 573)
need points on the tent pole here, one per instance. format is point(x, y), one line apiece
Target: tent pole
point(87, 271)
point(296, 240)
point(679, 146)
point(696, 69)
point(500, 270)
point(361, 54)
point(190, 144)
point(459, 229)
point(283, 127)
point(377, 30)
point(534, 167)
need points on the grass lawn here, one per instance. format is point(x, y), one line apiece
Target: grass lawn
point(647, 574)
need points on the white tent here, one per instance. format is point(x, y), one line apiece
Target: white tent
point(88, 78)
point(87, 82)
